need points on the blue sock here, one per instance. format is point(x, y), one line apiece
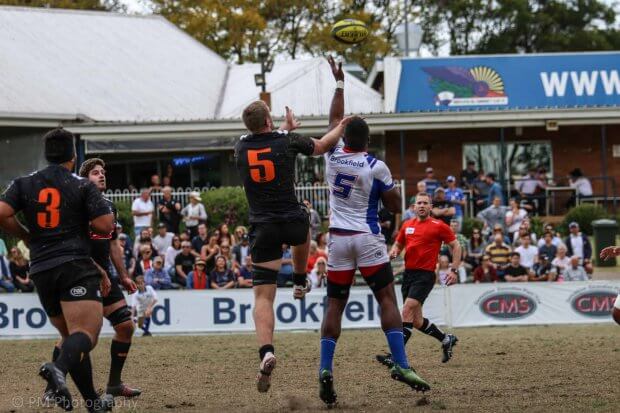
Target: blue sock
point(396, 341)
point(328, 347)
point(147, 324)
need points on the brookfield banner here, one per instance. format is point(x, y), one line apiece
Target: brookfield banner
point(179, 312)
point(509, 82)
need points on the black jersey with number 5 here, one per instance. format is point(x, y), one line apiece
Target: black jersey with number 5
point(266, 164)
point(57, 206)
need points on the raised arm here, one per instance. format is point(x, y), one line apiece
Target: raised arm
point(331, 138)
point(336, 110)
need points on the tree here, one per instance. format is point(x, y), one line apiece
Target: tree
point(110, 5)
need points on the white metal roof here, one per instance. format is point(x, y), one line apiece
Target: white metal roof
point(105, 66)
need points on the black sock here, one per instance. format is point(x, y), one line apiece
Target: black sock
point(55, 354)
point(74, 348)
point(267, 348)
point(299, 279)
point(432, 330)
point(118, 353)
point(82, 375)
point(407, 330)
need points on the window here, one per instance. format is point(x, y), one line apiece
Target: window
point(519, 157)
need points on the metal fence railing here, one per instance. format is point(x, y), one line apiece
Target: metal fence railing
point(317, 194)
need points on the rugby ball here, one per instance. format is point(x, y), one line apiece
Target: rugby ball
point(350, 31)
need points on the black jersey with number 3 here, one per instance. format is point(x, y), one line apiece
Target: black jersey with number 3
point(266, 164)
point(57, 206)
point(100, 244)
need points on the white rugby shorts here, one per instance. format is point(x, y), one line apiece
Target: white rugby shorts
point(351, 251)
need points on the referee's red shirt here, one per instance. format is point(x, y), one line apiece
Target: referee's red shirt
point(422, 241)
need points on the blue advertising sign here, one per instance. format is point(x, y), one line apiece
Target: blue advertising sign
point(509, 82)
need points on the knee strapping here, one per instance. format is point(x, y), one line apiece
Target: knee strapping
point(381, 278)
point(120, 315)
point(338, 291)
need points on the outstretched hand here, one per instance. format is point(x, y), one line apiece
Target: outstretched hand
point(336, 70)
point(290, 121)
point(610, 252)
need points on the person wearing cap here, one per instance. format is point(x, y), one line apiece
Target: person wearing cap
point(455, 196)
point(197, 279)
point(142, 210)
point(157, 277)
point(163, 239)
point(442, 208)
point(241, 250)
point(193, 214)
point(431, 183)
point(578, 244)
point(119, 232)
point(543, 270)
point(469, 175)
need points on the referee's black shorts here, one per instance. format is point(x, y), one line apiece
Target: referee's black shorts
point(417, 284)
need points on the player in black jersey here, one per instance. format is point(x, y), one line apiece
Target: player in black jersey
point(57, 207)
point(265, 159)
point(103, 249)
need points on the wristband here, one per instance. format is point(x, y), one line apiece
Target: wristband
point(340, 84)
point(454, 270)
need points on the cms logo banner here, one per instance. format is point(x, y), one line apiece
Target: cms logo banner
point(508, 304)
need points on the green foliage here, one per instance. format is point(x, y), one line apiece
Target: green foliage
point(226, 204)
point(468, 226)
point(537, 226)
point(123, 210)
point(583, 215)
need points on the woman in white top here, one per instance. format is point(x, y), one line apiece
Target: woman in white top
point(515, 216)
point(193, 214)
point(561, 261)
point(318, 276)
point(171, 253)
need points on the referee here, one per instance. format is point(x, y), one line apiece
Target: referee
point(422, 238)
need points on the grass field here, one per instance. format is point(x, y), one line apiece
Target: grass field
point(494, 369)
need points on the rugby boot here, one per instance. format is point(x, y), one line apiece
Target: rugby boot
point(326, 388)
point(123, 390)
point(385, 359)
point(410, 377)
point(300, 291)
point(446, 346)
point(263, 379)
point(57, 383)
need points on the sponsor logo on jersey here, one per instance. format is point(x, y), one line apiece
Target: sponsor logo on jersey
point(508, 304)
point(78, 291)
point(95, 236)
point(595, 301)
point(347, 162)
point(409, 231)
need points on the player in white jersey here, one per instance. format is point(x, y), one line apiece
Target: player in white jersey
point(357, 183)
point(142, 303)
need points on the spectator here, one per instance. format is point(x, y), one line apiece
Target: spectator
point(557, 241)
point(221, 276)
point(500, 230)
point(499, 253)
point(514, 216)
point(561, 261)
point(315, 219)
point(119, 232)
point(145, 261)
point(157, 277)
point(144, 239)
point(582, 185)
point(225, 236)
point(128, 256)
point(321, 242)
point(194, 213)
point(226, 252)
point(163, 239)
point(5, 275)
point(524, 229)
point(20, 270)
point(240, 231)
point(528, 187)
point(481, 191)
point(314, 255)
point(475, 249)
point(142, 303)
point(197, 279)
point(454, 225)
point(209, 252)
point(241, 250)
point(493, 215)
point(527, 252)
point(442, 208)
point(166, 181)
point(387, 222)
point(547, 248)
point(442, 270)
point(469, 175)
point(286, 270)
point(142, 211)
point(485, 273)
point(495, 190)
point(575, 271)
point(3, 250)
point(578, 244)
point(200, 240)
point(21, 246)
point(155, 183)
point(420, 187)
point(244, 280)
point(318, 275)
point(455, 196)
point(169, 211)
point(183, 264)
point(171, 253)
point(431, 183)
point(515, 272)
point(543, 270)
point(410, 212)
